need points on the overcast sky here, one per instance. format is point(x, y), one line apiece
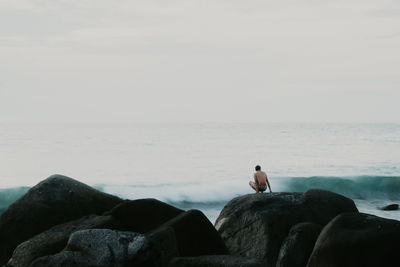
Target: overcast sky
point(204, 60)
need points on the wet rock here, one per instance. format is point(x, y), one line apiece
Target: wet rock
point(143, 215)
point(96, 247)
point(159, 250)
point(297, 247)
point(391, 207)
point(56, 200)
point(105, 247)
point(55, 239)
point(195, 235)
point(255, 225)
point(357, 239)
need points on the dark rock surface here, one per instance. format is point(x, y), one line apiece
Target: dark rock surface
point(137, 216)
point(297, 247)
point(104, 247)
point(96, 247)
point(160, 249)
point(357, 239)
point(391, 207)
point(143, 215)
point(55, 239)
point(216, 261)
point(56, 200)
point(322, 206)
point(256, 225)
point(195, 235)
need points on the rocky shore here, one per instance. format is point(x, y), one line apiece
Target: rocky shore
point(62, 222)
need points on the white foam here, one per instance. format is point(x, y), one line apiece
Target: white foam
point(191, 192)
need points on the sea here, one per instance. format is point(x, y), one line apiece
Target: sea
point(204, 165)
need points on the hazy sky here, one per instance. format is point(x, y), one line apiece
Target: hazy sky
point(205, 60)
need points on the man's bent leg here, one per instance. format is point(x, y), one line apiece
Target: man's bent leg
point(253, 185)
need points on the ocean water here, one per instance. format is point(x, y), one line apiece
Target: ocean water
point(203, 166)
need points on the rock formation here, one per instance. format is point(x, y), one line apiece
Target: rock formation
point(357, 239)
point(56, 200)
point(298, 245)
point(62, 222)
point(256, 225)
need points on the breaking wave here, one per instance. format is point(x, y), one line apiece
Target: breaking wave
point(360, 187)
point(218, 193)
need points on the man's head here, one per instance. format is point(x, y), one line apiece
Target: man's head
point(258, 168)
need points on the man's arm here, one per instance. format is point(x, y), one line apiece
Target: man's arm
point(269, 186)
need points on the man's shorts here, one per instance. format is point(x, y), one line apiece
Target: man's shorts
point(261, 188)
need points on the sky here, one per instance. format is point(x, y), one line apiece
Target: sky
point(199, 61)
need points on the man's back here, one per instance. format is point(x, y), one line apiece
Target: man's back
point(260, 177)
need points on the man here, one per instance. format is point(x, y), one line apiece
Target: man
point(260, 181)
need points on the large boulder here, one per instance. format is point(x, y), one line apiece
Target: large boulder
point(195, 235)
point(298, 245)
point(322, 206)
point(56, 200)
point(357, 239)
point(55, 239)
point(105, 247)
point(95, 247)
point(159, 250)
point(216, 261)
point(138, 216)
point(143, 215)
point(255, 225)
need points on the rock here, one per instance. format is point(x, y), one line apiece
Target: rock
point(159, 250)
point(95, 247)
point(391, 207)
point(56, 200)
point(357, 239)
point(297, 247)
point(255, 225)
point(55, 239)
point(195, 235)
point(143, 215)
point(322, 206)
point(136, 216)
point(105, 247)
point(216, 261)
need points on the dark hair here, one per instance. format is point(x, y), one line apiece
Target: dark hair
point(258, 168)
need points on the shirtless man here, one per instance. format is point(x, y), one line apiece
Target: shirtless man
point(260, 181)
